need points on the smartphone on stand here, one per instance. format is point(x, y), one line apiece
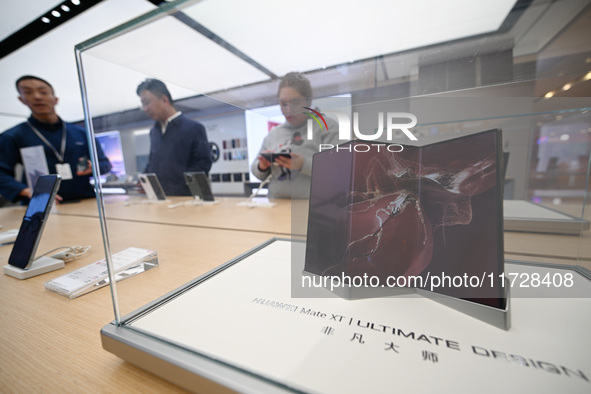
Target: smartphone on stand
point(29, 234)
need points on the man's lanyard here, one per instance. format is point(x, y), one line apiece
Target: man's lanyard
point(58, 155)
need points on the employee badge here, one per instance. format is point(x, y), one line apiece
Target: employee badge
point(64, 170)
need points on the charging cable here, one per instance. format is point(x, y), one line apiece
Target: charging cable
point(70, 253)
point(257, 191)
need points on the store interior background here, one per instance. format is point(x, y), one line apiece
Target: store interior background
point(539, 48)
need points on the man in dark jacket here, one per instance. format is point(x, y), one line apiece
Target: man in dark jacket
point(65, 146)
point(177, 144)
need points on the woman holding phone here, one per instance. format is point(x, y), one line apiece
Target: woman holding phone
point(286, 153)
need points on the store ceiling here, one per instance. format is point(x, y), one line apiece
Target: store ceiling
point(21, 14)
point(51, 56)
point(314, 28)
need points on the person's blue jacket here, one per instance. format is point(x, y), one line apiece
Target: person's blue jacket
point(22, 136)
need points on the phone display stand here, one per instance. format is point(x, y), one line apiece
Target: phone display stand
point(145, 201)
point(195, 201)
point(8, 235)
point(253, 202)
point(40, 266)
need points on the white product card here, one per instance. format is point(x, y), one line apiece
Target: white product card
point(64, 170)
point(126, 263)
point(35, 164)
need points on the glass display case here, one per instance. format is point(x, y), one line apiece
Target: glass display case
point(226, 307)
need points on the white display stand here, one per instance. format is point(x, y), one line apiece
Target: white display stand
point(260, 202)
point(254, 201)
point(193, 202)
point(526, 216)
point(240, 327)
point(146, 201)
point(40, 266)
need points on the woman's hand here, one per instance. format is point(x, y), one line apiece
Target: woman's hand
point(264, 164)
point(295, 162)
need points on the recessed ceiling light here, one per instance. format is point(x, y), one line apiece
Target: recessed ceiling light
point(587, 76)
point(549, 94)
point(76, 2)
point(56, 13)
point(45, 19)
point(65, 8)
point(567, 86)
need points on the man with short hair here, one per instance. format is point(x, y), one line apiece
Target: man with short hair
point(177, 144)
point(64, 145)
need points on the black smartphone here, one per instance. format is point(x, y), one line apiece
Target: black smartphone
point(29, 234)
point(273, 156)
point(82, 164)
point(152, 187)
point(199, 185)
